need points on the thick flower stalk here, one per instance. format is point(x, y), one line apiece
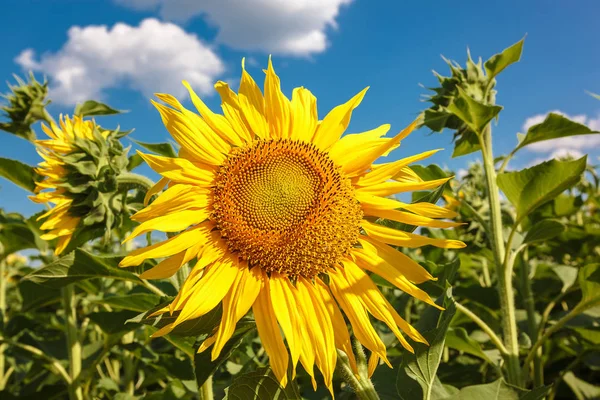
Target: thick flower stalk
point(280, 213)
point(81, 167)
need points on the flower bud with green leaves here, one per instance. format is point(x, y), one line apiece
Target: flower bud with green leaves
point(26, 105)
point(82, 167)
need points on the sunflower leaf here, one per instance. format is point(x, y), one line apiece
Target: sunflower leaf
point(553, 127)
point(472, 112)
point(163, 149)
point(79, 265)
point(92, 107)
point(203, 363)
point(531, 187)
point(18, 173)
point(544, 230)
point(499, 390)
point(498, 62)
point(417, 376)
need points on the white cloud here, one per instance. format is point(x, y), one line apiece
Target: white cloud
point(295, 27)
point(152, 57)
point(461, 173)
point(572, 144)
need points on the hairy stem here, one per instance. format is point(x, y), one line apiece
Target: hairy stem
point(206, 391)
point(485, 327)
point(73, 343)
point(3, 279)
point(363, 387)
point(504, 274)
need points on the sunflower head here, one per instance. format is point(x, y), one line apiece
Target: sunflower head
point(281, 215)
point(80, 169)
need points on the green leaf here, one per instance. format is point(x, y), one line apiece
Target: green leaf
point(553, 127)
point(205, 366)
point(258, 385)
point(18, 173)
point(458, 338)
point(34, 296)
point(140, 302)
point(499, 390)
point(417, 375)
point(134, 161)
point(531, 187)
point(581, 388)
point(544, 230)
point(589, 281)
point(467, 143)
point(79, 265)
point(498, 62)
point(92, 107)
point(114, 322)
point(17, 233)
point(164, 149)
point(472, 112)
point(566, 274)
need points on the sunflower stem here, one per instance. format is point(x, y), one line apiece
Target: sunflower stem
point(130, 179)
point(361, 385)
point(503, 271)
point(73, 343)
point(3, 279)
point(206, 391)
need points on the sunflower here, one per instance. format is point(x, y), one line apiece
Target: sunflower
point(78, 177)
point(281, 213)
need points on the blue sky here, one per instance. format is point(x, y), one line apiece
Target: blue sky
point(333, 47)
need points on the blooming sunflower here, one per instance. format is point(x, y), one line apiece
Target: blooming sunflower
point(81, 163)
point(281, 213)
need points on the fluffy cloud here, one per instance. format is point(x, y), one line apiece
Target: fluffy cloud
point(152, 57)
point(295, 27)
point(573, 145)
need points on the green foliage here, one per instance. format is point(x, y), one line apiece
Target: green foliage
point(553, 127)
point(92, 108)
point(164, 149)
point(532, 187)
point(19, 173)
point(260, 384)
point(26, 105)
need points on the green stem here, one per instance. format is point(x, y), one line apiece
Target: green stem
point(363, 387)
point(134, 180)
point(73, 343)
point(485, 327)
point(3, 279)
point(505, 288)
point(55, 365)
point(206, 391)
point(528, 301)
point(580, 308)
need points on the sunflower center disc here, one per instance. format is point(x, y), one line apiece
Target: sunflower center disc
point(284, 206)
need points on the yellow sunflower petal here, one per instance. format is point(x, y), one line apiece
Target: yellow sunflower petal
point(270, 336)
point(354, 145)
point(405, 239)
point(155, 189)
point(400, 262)
point(363, 288)
point(174, 245)
point(172, 222)
point(409, 218)
point(179, 170)
point(319, 323)
point(236, 304)
point(357, 314)
point(383, 172)
point(283, 296)
point(390, 188)
point(252, 105)
point(232, 111)
point(277, 106)
point(340, 330)
point(168, 267)
point(304, 115)
point(217, 122)
point(335, 123)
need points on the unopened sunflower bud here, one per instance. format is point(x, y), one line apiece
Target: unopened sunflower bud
point(82, 163)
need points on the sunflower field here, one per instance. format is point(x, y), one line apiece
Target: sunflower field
point(277, 256)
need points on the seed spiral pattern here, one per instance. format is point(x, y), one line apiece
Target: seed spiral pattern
point(283, 205)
